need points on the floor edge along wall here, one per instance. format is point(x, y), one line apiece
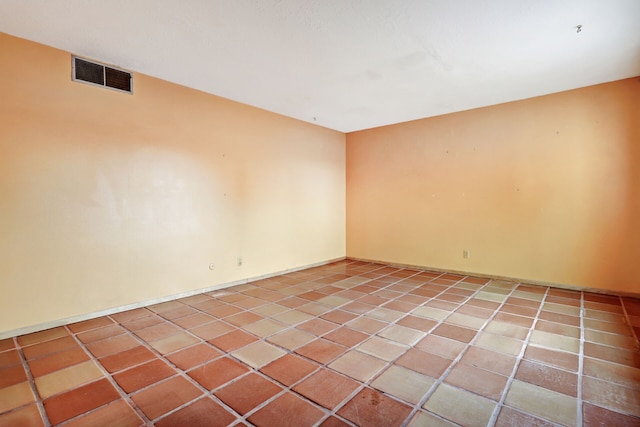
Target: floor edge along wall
point(88, 316)
point(93, 315)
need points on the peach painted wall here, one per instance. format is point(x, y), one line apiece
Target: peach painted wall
point(108, 199)
point(546, 189)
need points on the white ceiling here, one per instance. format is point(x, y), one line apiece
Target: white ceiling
point(349, 64)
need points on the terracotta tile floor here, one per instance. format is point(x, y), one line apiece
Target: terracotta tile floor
point(350, 343)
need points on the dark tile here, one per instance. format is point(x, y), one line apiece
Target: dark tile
point(12, 375)
point(595, 416)
point(233, 340)
point(338, 316)
point(371, 408)
point(56, 361)
point(194, 356)
point(287, 410)
point(548, 377)
point(346, 336)
point(126, 359)
point(143, 375)
point(49, 347)
point(118, 413)
point(425, 363)
point(510, 418)
point(326, 388)
point(163, 397)
point(80, 400)
point(321, 351)
point(289, 369)
point(248, 392)
point(454, 332)
point(214, 374)
point(201, 413)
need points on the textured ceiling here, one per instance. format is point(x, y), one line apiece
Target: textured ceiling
point(349, 64)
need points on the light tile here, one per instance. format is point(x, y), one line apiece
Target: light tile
point(460, 406)
point(402, 334)
point(258, 354)
point(68, 378)
point(544, 403)
point(382, 348)
point(358, 365)
point(15, 396)
point(404, 383)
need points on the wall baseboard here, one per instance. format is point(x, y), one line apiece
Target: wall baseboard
point(505, 278)
point(88, 316)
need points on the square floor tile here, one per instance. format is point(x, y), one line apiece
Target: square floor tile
point(382, 348)
point(213, 374)
point(79, 400)
point(291, 338)
point(198, 413)
point(403, 383)
point(321, 351)
point(372, 408)
point(489, 360)
point(101, 333)
point(346, 336)
point(402, 334)
point(318, 327)
point(327, 388)
point(12, 375)
point(89, 324)
point(559, 359)
point(143, 375)
point(425, 363)
point(289, 369)
point(265, 327)
point(211, 330)
point(42, 336)
point(478, 381)
point(287, 410)
point(118, 413)
point(248, 392)
point(499, 343)
point(15, 395)
point(358, 365)
point(441, 346)
point(194, 356)
point(460, 406)
point(544, 403)
point(56, 361)
point(27, 416)
point(49, 347)
point(233, 340)
point(174, 342)
point(165, 396)
point(68, 378)
point(509, 417)
point(112, 345)
point(593, 415)
point(427, 419)
point(258, 354)
point(612, 396)
point(126, 359)
point(548, 377)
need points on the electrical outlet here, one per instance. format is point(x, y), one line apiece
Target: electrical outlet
point(465, 254)
point(239, 261)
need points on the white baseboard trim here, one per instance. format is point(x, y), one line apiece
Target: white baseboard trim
point(88, 316)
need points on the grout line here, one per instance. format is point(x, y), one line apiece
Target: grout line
point(580, 362)
point(109, 378)
point(32, 383)
point(519, 357)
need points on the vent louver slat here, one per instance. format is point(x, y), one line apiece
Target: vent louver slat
point(101, 75)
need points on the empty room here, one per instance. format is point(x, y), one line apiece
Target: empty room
point(319, 213)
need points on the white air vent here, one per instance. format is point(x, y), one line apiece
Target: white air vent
point(101, 75)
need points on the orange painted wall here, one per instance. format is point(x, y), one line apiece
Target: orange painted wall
point(546, 189)
point(108, 199)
